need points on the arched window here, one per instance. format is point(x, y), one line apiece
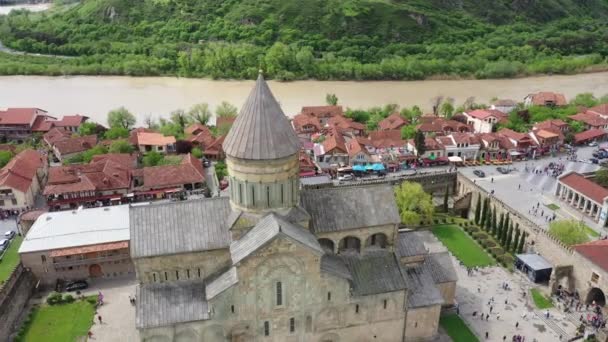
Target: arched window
point(357, 308)
point(327, 245)
point(279, 293)
point(253, 195)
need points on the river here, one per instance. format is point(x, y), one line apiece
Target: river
point(95, 96)
point(29, 7)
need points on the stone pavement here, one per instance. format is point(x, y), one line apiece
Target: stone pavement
point(474, 292)
point(117, 313)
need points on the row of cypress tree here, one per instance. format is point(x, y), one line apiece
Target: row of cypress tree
point(510, 237)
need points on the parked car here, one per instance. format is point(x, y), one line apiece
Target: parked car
point(4, 243)
point(347, 177)
point(206, 163)
point(479, 173)
point(10, 234)
point(503, 170)
point(76, 285)
point(593, 143)
point(568, 146)
point(594, 160)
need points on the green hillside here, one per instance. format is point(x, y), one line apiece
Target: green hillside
point(323, 39)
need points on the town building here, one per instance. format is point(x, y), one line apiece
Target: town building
point(70, 123)
point(588, 197)
point(435, 125)
point(591, 120)
point(433, 148)
point(545, 98)
point(65, 149)
point(323, 113)
point(54, 135)
point(464, 145)
point(347, 125)
point(18, 124)
point(590, 135)
point(157, 182)
point(484, 120)
point(273, 262)
point(333, 150)
point(79, 244)
point(21, 180)
point(215, 151)
point(393, 121)
point(601, 110)
point(523, 142)
point(504, 105)
point(306, 125)
point(152, 141)
point(199, 135)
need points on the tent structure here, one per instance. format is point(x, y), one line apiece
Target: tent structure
point(378, 167)
point(537, 268)
point(455, 159)
point(359, 168)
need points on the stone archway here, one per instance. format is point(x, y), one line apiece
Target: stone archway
point(378, 240)
point(596, 295)
point(95, 271)
point(350, 244)
point(327, 245)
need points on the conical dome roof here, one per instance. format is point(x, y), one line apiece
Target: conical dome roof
point(261, 131)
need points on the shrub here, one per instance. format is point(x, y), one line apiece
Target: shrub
point(489, 244)
point(480, 236)
point(497, 251)
point(68, 298)
point(92, 300)
point(505, 259)
point(473, 229)
point(54, 298)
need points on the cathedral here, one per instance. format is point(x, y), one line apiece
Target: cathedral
point(274, 262)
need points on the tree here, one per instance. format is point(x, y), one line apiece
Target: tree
point(522, 242)
point(494, 221)
point(171, 129)
point(585, 100)
point(506, 237)
point(226, 110)
point(414, 204)
point(121, 146)
point(570, 232)
point(200, 113)
point(150, 122)
point(478, 209)
point(505, 229)
point(197, 152)
point(420, 143)
point(88, 128)
point(576, 126)
point(408, 132)
point(601, 177)
point(516, 240)
point(183, 147)
point(5, 157)
point(484, 212)
point(88, 155)
point(446, 198)
point(500, 225)
point(220, 170)
point(180, 118)
point(116, 133)
point(436, 103)
point(152, 158)
point(488, 224)
point(331, 99)
point(447, 110)
point(121, 117)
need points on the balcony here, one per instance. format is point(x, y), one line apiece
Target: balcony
point(73, 262)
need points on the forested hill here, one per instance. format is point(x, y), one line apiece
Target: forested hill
point(324, 39)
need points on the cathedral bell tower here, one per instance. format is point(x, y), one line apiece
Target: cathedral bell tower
point(262, 156)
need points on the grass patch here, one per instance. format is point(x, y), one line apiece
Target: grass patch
point(462, 246)
point(10, 259)
point(60, 323)
point(457, 329)
point(591, 232)
point(552, 206)
point(540, 300)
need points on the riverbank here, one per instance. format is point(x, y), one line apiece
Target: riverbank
point(158, 96)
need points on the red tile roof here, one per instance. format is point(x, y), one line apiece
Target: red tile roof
point(323, 111)
point(153, 138)
point(8, 147)
point(585, 186)
point(483, 114)
point(196, 128)
point(216, 146)
point(354, 147)
point(595, 251)
point(101, 175)
point(545, 134)
point(222, 121)
point(542, 98)
point(76, 144)
point(590, 119)
point(190, 170)
point(19, 116)
point(557, 123)
point(71, 120)
point(591, 134)
point(393, 121)
point(345, 123)
point(334, 140)
point(43, 123)
point(599, 109)
point(21, 170)
point(301, 120)
point(56, 134)
point(128, 161)
point(519, 137)
point(386, 139)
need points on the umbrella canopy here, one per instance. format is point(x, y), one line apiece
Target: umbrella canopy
point(369, 167)
point(359, 168)
point(378, 167)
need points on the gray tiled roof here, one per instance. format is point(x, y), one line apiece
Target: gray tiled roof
point(421, 288)
point(179, 227)
point(265, 231)
point(334, 264)
point(162, 304)
point(335, 209)
point(409, 244)
point(374, 273)
point(440, 266)
point(261, 131)
point(222, 283)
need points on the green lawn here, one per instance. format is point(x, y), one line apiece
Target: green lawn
point(462, 246)
point(60, 323)
point(10, 259)
point(541, 301)
point(456, 329)
point(552, 206)
point(591, 232)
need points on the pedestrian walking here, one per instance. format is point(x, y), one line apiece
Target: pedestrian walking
point(518, 188)
point(498, 317)
point(492, 180)
point(487, 335)
point(99, 318)
point(516, 325)
point(487, 317)
point(491, 309)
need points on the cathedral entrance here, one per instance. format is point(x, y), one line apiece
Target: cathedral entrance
point(95, 271)
point(596, 295)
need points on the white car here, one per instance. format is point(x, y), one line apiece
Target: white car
point(593, 144)
point(345, 178)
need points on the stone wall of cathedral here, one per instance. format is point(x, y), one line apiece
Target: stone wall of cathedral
point(181, 266)
point(362, 235)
